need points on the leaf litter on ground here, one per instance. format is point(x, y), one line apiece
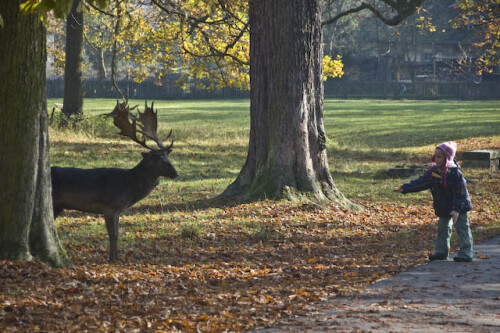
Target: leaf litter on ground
point(252, 264)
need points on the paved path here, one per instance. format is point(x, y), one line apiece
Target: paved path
point(441, 296)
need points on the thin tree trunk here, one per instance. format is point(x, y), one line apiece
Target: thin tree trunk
point(25, 199)
point(73, 75)
point(287, 146)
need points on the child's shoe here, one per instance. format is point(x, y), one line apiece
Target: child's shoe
point(438, 256)
point(461, 259)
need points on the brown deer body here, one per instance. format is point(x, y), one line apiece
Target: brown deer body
point(110, 191)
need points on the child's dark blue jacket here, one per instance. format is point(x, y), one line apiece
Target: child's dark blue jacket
point(454, 196)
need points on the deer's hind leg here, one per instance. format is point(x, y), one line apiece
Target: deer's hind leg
point(112, 227)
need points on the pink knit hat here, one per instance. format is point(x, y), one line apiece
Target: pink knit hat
point(449, 148)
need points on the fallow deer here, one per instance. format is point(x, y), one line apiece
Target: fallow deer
point(110, 191)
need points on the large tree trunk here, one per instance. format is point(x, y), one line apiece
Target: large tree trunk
point(287, 146)
point(26, 219)
point(73, 90)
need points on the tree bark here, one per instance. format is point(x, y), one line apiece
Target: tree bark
point(26, 220)
point(73, 76)
point(287, 147)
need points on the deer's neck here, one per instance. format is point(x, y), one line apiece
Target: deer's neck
point(144, 178)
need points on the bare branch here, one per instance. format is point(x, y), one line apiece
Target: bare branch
point(403, 8)
point(345, 13)
point(97, 52)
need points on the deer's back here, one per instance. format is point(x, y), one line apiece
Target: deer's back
point(91, 190)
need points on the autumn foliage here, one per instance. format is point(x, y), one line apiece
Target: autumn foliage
point(482, 17)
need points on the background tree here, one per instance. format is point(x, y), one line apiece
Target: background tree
point(26, 220)
point(73, 75)
point(483, 17)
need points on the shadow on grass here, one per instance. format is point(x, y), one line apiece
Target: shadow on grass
point(185, 207)
point(431, 133)
point(371, 155)
point(208, 114)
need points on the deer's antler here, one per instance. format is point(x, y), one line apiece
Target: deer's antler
point(146, 121)
point(148, 124)
point(121, 118)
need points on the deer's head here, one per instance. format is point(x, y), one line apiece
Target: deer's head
point(142, 127)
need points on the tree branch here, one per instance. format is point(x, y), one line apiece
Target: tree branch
point(345, 13)
point(224, 53)
point(404, 8)
point(97, 52)
point(98, 9)
point(173, 9)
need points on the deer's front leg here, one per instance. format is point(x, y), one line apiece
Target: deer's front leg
point(112, 226)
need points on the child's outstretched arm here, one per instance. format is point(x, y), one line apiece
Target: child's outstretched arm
point(420, 184)
point(398, 189)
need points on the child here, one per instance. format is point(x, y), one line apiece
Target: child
point(451, 201)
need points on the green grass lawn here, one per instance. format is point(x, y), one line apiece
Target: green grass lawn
point(365, 138)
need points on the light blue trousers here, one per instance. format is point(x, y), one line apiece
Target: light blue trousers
point(442, 245)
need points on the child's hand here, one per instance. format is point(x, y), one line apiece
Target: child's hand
point(454, 216)
point(398, 189)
